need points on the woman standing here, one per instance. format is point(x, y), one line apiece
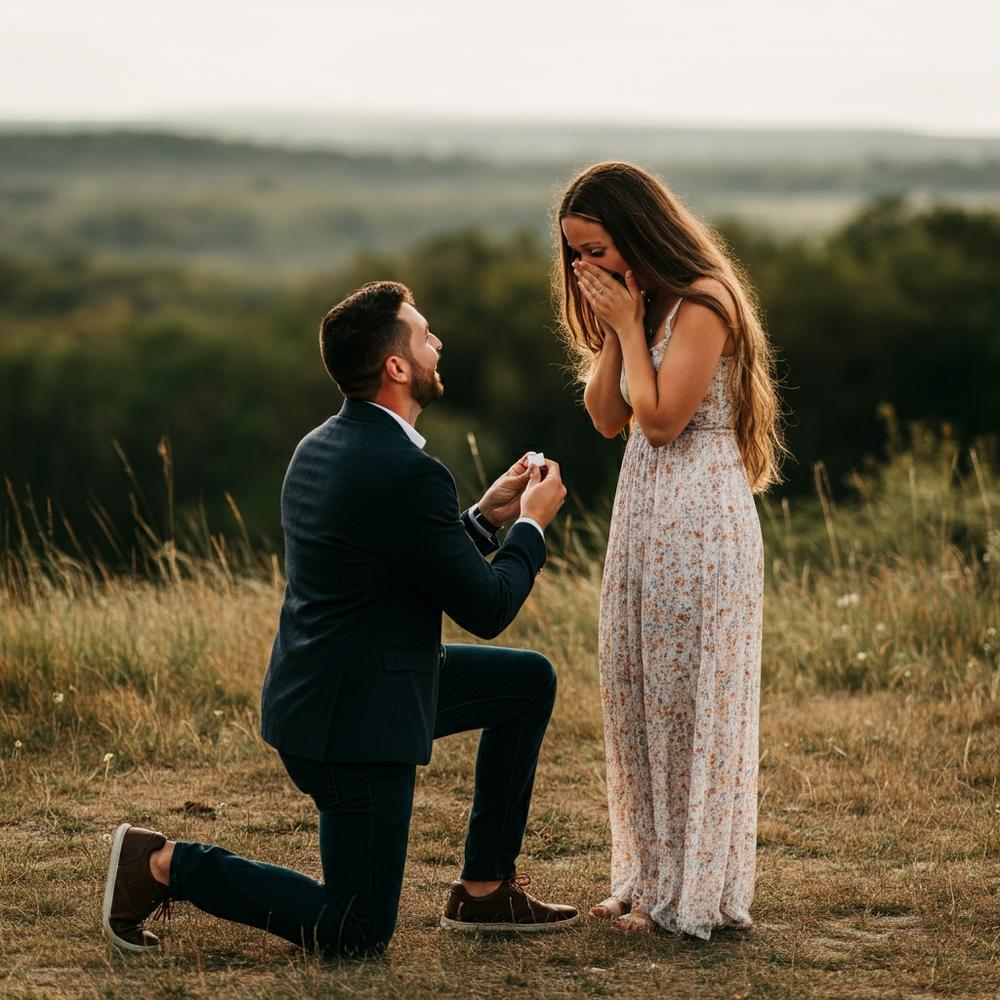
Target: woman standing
point(668, 339)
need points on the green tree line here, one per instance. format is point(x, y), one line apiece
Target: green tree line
point(899, 306)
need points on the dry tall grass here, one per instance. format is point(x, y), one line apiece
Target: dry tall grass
point(135, 696)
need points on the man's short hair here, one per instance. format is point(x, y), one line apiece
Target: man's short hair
point(359, 333)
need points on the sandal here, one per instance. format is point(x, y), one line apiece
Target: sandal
point(612, 907)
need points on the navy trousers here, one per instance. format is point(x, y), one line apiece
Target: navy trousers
point(364, 816)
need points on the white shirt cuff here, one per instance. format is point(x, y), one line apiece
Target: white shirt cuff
point(534, 523)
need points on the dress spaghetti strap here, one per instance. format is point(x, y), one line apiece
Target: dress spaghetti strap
point(673, 312)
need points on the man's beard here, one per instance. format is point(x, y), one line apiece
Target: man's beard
point(426, 385)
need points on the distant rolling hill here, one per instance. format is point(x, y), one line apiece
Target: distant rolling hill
point(314, 196)
point(571, 141)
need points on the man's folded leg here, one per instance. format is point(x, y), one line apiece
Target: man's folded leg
point(364, 821)
point(279, 900)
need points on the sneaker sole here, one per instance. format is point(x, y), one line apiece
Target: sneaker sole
point(468, 927)
point(109, 892)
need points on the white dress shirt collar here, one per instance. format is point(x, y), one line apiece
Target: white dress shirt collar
point(411, 432)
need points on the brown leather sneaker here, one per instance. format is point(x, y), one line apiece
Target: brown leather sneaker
point(131, 893)
point(508, 908)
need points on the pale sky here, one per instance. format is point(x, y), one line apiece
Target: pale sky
point(910, 63)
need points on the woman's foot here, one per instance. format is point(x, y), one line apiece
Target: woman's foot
point(611, 907)
point(634, 922)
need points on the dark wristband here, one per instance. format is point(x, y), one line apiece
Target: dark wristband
point(480, 518)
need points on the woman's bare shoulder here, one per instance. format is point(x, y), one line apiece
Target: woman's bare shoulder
point(715, 288)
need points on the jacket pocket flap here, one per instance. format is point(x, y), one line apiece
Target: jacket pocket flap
point(423, 661)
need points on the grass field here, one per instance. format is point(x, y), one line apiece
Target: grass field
point(135, 698)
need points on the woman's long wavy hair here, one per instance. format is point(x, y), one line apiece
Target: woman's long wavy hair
point(668, 249)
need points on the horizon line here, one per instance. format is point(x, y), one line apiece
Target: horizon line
point(175, 116)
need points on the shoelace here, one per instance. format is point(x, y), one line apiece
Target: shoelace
point(162, 912)
point(519, 883)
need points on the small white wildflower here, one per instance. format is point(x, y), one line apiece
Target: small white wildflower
point(987, 647)
point(991, 631)
point(845, 628)
point(848, 600)
point(786, 745)
point(987, 557)
point(880, 626)
point(108, 758)
point(218, 713)
point(58, 697)
point(862, 657)
point(907, 673)
point(18, 744)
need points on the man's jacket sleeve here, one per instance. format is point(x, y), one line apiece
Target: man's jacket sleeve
point(435, 552)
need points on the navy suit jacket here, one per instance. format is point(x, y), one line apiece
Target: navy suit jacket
point(375, 551)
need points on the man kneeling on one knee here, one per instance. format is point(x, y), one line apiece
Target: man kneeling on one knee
point(359, 685)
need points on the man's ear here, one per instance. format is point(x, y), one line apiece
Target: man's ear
point(396, 369)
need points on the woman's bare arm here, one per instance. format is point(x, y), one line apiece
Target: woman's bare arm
point(665, 401)
point(603, 397)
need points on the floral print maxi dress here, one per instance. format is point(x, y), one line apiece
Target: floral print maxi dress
point(679, 653)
